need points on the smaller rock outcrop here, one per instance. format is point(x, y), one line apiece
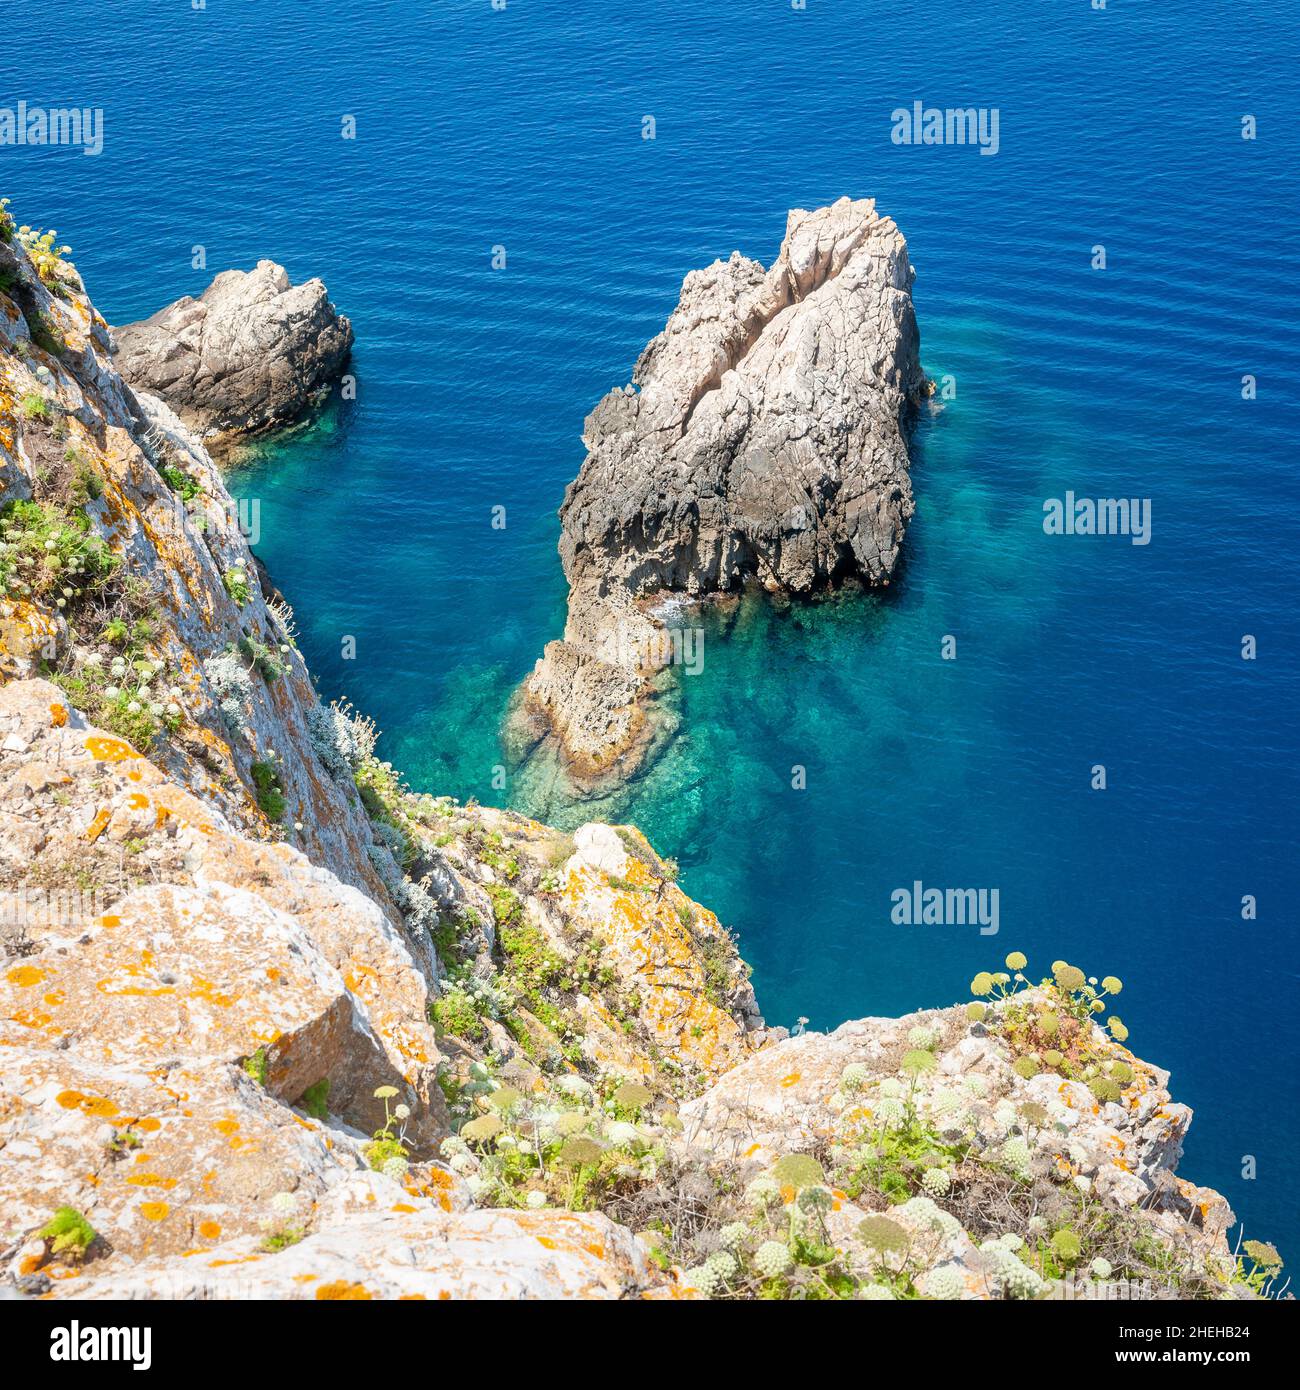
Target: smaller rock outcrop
point(251, 354)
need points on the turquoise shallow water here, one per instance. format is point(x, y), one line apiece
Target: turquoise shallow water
point(523, 129)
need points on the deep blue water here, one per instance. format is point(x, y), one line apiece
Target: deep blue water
point(522, 128)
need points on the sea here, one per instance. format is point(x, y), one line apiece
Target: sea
point(505, 197)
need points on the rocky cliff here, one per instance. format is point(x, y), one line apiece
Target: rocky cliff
point(760, 441)
point(272, 1024)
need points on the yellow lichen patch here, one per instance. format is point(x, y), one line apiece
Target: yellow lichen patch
point(154, 1211)
point(69, 1100)
point(109, 750)
point(226, 1126)
point(97, 826)
point(206, 990)
point(209, 1230)
point(99, 1106)
point(151, 1180)
point(341, 1290)
point(25, 976)
point(547, 1243)
point(30, 1018)
point(109, 921)
point(404, 1207)
point(133, 991)
point(791, 1080)
point(58, 715)
point(137, 801)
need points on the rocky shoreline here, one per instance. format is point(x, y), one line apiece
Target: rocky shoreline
point(274, 1025)
point(761, 441)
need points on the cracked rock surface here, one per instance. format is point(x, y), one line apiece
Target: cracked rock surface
point(760, 440)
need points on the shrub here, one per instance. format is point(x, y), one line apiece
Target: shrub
point(181, 482)
point(270, 794)
point(455, 1013)
point(232, 686)
point(48, 554)
point(315, 1099)
point(122, 699)
point(236, 582)
point(46, 255)
point(44, 334)
point(68, 1233)
point(261, 658)
point(343, 739)
point(86, 485)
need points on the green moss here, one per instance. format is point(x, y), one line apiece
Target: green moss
point(50, 554)
point(454, 1012)
point(315, 1099)
point(270, 794)
point(68, 1232)
point(282, 1239)
point(181, 482)
point(257, 1066)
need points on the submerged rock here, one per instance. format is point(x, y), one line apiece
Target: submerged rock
point(760, 441)
point(251, 354)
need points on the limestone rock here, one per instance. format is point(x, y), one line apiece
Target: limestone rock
point(235, 949)
point(760, 440)
point(252, 353)
point(414, 1254)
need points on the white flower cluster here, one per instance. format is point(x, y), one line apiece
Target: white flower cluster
point(944, 1283)
point(343, 741)
point(1015, 1154)
point(763, 1192)
point(853, 1078)
point(232, 686)
point(1013, 1276)
point(936, 1181)
point(711, 1277)
point(772, 1259)
point(922, 1213)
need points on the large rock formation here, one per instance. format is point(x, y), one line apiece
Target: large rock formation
point(760, 440)
point(251, 354)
